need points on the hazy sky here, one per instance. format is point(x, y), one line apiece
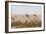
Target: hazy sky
point(26, 9)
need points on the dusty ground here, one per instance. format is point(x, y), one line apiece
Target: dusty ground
point(26, 21)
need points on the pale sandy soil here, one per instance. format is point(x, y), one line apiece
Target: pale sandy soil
point(24, 21)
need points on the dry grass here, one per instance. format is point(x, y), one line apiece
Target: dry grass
point(26, 21)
